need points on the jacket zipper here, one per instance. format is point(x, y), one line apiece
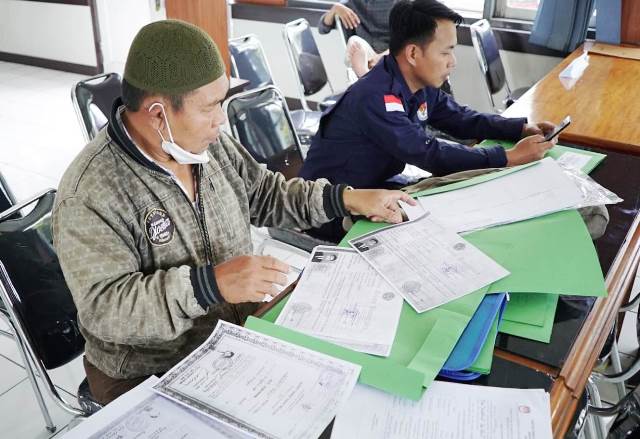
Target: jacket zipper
point(200, 215)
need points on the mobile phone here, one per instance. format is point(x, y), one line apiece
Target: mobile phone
point(565, 123)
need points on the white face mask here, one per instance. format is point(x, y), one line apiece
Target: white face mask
point(178, 153)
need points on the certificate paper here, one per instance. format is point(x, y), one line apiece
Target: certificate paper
point(260, 385)
point(143, 414)
point(342, 299)
point(426, 263)
point(446, 411)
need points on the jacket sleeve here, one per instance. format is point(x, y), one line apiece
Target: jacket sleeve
point(274, 201)
point(465, 123)
point(393, 131)
point(116, 302)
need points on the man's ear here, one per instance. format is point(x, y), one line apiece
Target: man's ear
point(409, 52)
point(152, 108)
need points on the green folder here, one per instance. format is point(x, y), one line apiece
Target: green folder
point(521, 328)
point(550, 253)
point(556, 152)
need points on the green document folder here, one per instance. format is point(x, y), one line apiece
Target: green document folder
point(556, 152)
point(517, 322)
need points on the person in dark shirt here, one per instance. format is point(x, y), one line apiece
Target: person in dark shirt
point(377, 126)
point(366, 26)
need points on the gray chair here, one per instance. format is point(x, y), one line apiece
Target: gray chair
point(37, 305)
point(248, 61)
point(307, 64)
point(488, 54)
point(92, 99)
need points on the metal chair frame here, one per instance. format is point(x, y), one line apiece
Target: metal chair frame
point(482, 61)
point(292, 59)
point(254, 39)
point(32, 363)
point(76, 105)
point(256, 91)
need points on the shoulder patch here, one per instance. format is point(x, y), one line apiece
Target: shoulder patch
point(393, 103)
point(159, 226)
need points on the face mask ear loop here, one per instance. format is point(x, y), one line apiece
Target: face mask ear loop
point(166, 121)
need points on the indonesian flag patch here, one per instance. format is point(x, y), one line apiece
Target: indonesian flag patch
point(393, 103)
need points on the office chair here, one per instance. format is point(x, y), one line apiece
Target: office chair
point(488, 54)
point(307, 64)
point(260, 120)
point(36, 304)
point(92, 99)
point(248, 61)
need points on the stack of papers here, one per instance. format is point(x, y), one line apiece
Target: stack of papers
point(533, 191)
point(447, 410)
point(143, 414)
point(340, 298)
point(244, 384)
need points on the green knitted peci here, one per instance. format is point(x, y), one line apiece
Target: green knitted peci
point(172, 57)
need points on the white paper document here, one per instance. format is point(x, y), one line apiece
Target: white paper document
point(426, 263)
point(573, 160)
point(531, 192)
point(446, 411)
point(342, 299)
point(293, 256)
point(260, 385)
point(143, 414)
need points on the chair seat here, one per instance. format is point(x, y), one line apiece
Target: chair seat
point(515, 95)
point(306, 123)
point(329, 101)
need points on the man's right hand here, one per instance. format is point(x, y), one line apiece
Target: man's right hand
point(250, 278)
point(529, 149)
point(348, 18)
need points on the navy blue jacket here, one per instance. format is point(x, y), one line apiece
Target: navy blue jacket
point(377, 127)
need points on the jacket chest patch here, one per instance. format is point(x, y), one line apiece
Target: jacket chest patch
point(159, 227)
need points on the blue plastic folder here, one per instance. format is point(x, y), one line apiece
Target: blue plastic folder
point(466, 351)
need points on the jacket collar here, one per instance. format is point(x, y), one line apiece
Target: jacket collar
point(117, 133)
point(399, 85)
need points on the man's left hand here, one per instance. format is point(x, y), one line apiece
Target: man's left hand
point(378, 205)
point(542, 128)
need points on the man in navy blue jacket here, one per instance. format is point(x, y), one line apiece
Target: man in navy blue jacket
point(377, 126)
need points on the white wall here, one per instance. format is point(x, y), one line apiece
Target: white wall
point(119, 22)
point(467, 82)
point(47, 30)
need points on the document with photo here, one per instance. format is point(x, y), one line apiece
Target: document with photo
point(426, 263)
point(260, 385)
point(143, 414)
point(446, 410)
point(342, 299)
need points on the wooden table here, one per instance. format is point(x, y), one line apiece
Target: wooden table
point(604, 103)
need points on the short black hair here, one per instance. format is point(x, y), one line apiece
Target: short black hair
point(414, 22)
point(132, 97)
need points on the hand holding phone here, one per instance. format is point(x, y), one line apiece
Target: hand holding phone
point(565, 123)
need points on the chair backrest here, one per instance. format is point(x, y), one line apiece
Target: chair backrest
point(248, 61)
point(259, 119)
point(305, 56)
point(92, 99)
point(7, 199)
point(35, 294)
point(486, 47)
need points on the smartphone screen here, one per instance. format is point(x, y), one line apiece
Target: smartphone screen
point(565, 123)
